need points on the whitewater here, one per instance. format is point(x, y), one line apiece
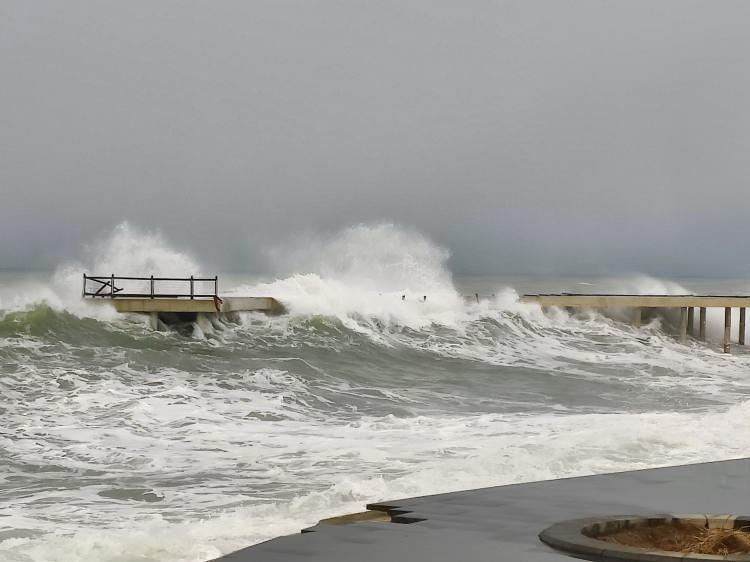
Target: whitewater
point(118, 443)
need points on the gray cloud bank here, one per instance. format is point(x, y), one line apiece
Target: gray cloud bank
point(544, 136)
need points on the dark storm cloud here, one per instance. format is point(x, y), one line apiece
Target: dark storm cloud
point(525, 136)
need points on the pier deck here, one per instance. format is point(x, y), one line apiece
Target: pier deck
point(177, 305)
point(685, 303)
point(578, 300)
point(171, 299)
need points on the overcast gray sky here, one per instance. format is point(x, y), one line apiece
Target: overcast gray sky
point(525, 136)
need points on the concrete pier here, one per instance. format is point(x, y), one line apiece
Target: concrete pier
point(637, 315)
point(741, 339)
point(578, 300)
point(171, 300)
point(727, 329)
point(177, 305)
point(683, 323)
point(685, 303)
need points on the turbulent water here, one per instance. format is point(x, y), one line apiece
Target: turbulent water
point(119, 443)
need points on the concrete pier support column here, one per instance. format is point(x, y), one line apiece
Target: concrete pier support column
point(690, 322)
point(702, 324)
point(683, 324)
point(637, 317)
point(153, 321)
point(727, 329)
point(741, 339)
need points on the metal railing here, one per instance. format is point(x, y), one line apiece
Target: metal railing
point(114, 286)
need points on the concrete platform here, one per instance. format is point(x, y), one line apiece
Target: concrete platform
point(180, 305)
point(638, 301)
point(501, 524)
point(170, 296)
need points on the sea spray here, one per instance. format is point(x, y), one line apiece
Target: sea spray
point(378, 257)
point(378, 272)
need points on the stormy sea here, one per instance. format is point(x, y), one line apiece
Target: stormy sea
point(385, 378)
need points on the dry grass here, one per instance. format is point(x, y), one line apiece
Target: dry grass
point(682, 537)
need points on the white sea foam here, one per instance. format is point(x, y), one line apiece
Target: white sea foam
point(364, 391)
point(388, 458)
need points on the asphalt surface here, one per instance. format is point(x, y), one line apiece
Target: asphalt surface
point(501, 524)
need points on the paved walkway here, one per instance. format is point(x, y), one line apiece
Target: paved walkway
point(501, 524)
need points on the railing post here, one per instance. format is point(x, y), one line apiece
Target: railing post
point(109, 281)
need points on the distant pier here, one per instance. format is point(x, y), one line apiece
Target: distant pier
point(171, 300)
point(636, 303)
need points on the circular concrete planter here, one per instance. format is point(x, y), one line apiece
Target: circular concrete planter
point(578, 537)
